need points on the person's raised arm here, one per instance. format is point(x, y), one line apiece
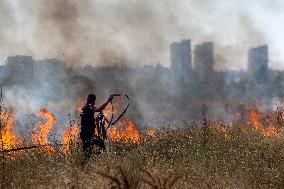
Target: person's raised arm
point(102, 107)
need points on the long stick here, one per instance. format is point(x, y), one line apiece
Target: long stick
point(29, 147)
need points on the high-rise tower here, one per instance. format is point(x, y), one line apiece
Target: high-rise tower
point(258, 64)
point(204, 59)
point(181, 60)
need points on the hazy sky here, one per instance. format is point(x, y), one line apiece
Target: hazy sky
point(100, 32)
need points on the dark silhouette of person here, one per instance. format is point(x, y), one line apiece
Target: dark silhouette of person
point(88, 126)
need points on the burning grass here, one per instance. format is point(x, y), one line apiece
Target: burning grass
point(169, 158)
point(8, 139)
point(246, 154)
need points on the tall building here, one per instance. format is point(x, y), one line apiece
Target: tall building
point(204, 59)
point(258, 64)
point(181, 60)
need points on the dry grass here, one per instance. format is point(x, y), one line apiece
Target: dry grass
point(175, 158)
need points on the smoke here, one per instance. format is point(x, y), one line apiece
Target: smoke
point(130, 33)
point(7, 24)
point(29, 85)
point(96, 32)
point(60, 24)
point(101, 33)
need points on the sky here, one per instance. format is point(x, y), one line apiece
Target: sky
point(136, 32)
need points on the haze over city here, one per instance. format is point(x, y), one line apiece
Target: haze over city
point(96, 32)
point(136, 94)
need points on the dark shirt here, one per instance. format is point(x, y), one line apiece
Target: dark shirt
point(87, 122)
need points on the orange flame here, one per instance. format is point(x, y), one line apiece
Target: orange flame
point(125, 133)
point(255, 120)
point(44, 128)
point(222, 129)
point(8, 138)
point(255, 116)
point(271, 131)
point(112, 108)
point(70, 134)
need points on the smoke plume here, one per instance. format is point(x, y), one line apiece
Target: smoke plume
point(96, 32)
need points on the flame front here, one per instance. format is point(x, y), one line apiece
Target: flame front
point(222, 129)
point(8, 138)
point(44, 127)
point(126, 132)
point(255, 117)
point(70, 134)
point(255, 120)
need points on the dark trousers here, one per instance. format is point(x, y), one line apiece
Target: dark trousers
point(88, 145)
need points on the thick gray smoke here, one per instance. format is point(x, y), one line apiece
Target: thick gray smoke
point(97, 32)
point(102, 33)
point(29, 85)
point(116, 39)
point(7, 24)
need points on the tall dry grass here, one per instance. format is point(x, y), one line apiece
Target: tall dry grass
point(174, 158)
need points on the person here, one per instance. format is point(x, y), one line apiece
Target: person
point(88, 126)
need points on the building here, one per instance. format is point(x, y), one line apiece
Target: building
point(181, 65)
point(204, 59)
point(258, 64)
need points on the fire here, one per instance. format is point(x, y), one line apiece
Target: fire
point(255, 118)
point(70, 134)
point(44, 127)
point(271, 131)
point(8, 138)
point(126, 132)
point(112, 108)
point(221, 128)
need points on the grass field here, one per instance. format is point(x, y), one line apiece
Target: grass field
point(188, 157)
